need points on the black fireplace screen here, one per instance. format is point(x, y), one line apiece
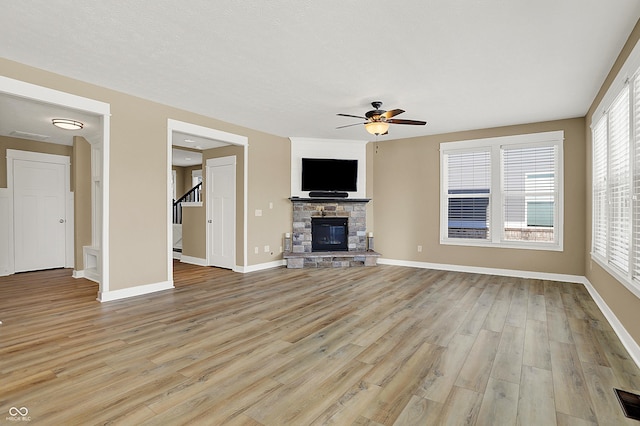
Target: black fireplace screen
point(329, 234)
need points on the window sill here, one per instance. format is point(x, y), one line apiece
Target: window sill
point(503, 244)
point(617, 274)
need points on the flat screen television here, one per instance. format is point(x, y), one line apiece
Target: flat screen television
point(322, 174)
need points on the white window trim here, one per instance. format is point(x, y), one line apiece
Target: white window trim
point(629, 72)
point(497, 219)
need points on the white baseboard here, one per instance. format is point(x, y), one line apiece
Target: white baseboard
point(260, 266)
point(489, 271)
point(140, 290)
point(193, 260)
point(91, 275)
point(627, 341)
point(177, 255)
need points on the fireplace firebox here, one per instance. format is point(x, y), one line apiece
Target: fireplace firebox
point(329, 234)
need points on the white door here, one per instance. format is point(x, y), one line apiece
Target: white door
point(39, 215)
point(221, 212)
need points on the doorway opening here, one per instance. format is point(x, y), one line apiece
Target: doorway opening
point(186, 135)
point(31, 93)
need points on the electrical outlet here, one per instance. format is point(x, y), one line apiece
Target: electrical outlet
point(419, 249)
point(258, 212)
point(257, 250)
point(270, 205)
point(266, 249)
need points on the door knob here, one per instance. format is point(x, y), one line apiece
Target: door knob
point(61, 220)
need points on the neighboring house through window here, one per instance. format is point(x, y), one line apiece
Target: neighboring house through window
point(504, 191)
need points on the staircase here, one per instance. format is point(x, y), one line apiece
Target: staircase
point(192, 196)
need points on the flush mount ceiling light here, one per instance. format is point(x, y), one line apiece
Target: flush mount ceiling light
point(65, 123)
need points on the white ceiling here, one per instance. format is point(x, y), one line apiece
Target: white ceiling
point(194, 144)
point(184, 158)
point(287, 67)
point(26, 119)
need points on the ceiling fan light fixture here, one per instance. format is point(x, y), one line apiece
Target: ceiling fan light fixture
point(377, 127)
point(67, 124)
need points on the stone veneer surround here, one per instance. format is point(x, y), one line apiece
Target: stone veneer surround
point(304, 209)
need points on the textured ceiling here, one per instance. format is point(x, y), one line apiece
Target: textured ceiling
point(287, 67)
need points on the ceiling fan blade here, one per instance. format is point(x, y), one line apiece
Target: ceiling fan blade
point(401, 121)
point(349, 115)
point(392, 113)
point(349, 125)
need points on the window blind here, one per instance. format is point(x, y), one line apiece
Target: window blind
point(529, 193)
point(600, 205)
point(636, 181)
point(619, 182)
point(468, 194)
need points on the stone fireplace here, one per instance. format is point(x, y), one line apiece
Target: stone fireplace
point(326, 220)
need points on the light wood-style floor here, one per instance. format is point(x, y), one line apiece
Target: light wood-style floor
point(357, 346)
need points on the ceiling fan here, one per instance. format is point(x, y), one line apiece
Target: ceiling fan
point(378, 120)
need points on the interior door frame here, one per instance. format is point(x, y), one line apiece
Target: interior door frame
point(99, 162)
point(211, 163)
point(218, 135)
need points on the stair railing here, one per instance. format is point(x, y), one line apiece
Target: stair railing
point(192, 196)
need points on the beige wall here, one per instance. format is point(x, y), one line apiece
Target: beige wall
point(622, 302)
point(269, 182)
point(406, 198)
point(28, 145)
point(194, 237)
point(81, 180)
point(138, 220)
point(183, 178)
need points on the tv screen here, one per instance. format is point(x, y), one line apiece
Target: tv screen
point(321, 174)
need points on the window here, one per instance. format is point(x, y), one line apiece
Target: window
point(616, 184)
point(196, 177)
point(469, 177)
point(504, 192)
